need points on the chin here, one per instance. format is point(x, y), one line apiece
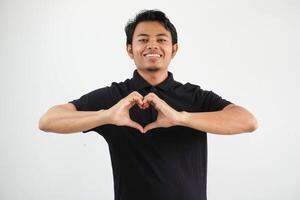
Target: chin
point(152, 68)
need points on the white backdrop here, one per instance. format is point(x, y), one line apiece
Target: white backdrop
point(52, 52)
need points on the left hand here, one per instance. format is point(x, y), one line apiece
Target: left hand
point(166, 115)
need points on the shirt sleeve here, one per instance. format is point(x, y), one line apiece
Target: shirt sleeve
point(93, 101)
point(210, 101)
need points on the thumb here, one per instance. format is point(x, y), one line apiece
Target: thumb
point(151, 126)
point(135, 125)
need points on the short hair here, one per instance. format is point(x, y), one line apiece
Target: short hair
point(150, 15)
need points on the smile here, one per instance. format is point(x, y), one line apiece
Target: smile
point(152, 55)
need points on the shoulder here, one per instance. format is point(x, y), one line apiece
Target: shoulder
point(186, 87)
point(115, 88)
point(121, 86)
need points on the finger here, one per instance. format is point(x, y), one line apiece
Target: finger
point(139, 98)
point(151, 126)
point(136, 93)
point(150, 100)
point(140, 103)
point(136, 126)
point(152, 94)
point(135, 100)
point(144, 105)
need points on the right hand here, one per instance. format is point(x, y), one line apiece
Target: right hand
point(119, 113)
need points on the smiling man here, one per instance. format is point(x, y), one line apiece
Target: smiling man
point(156, 127)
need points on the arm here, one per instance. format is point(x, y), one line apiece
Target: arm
point(66, 119)
point(232, 119)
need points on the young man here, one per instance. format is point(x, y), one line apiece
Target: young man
point(156, 128)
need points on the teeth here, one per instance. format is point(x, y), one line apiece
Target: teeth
point(152, 55)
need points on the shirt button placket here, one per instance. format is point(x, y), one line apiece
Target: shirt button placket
point(153, 89)
point(153, 111)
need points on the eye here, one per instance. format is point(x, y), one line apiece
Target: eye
point(142, 40)
point(162, 40)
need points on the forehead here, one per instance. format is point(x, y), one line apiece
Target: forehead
point(150, 28)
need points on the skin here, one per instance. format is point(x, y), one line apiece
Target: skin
point(153, 38)
point(149, 38)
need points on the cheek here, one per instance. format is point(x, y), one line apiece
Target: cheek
point(137, 47)
point(167, 49)
point(137, 52)
point(168, 53)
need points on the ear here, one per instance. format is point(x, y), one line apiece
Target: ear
point(129, 51)
point(174, 49)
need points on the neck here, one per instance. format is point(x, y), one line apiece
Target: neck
point(153, 77)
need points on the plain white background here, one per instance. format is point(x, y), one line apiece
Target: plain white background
point(52, 52)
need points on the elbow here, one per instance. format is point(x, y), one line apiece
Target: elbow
point(251, 125)
point(46, 120)
point(42, 125)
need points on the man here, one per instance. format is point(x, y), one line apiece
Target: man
point(156, 128)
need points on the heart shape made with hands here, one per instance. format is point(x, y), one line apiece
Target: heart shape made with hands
point(166, 115)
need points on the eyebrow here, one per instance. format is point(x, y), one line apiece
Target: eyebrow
point(160, 34)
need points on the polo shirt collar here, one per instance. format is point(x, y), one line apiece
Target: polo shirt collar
point(139, 82)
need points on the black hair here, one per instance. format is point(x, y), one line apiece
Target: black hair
point(150, 15)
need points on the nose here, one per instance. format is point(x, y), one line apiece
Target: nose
point(152, 45)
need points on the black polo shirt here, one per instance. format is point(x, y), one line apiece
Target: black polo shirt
point(165, 163)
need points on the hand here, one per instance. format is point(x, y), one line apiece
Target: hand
point(119, 113)
point(166, 115)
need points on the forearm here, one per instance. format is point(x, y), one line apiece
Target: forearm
point(61, 120)
point(232, 121)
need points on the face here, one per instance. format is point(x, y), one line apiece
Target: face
point(151, 47)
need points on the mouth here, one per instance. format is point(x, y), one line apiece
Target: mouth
point(152, 55)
